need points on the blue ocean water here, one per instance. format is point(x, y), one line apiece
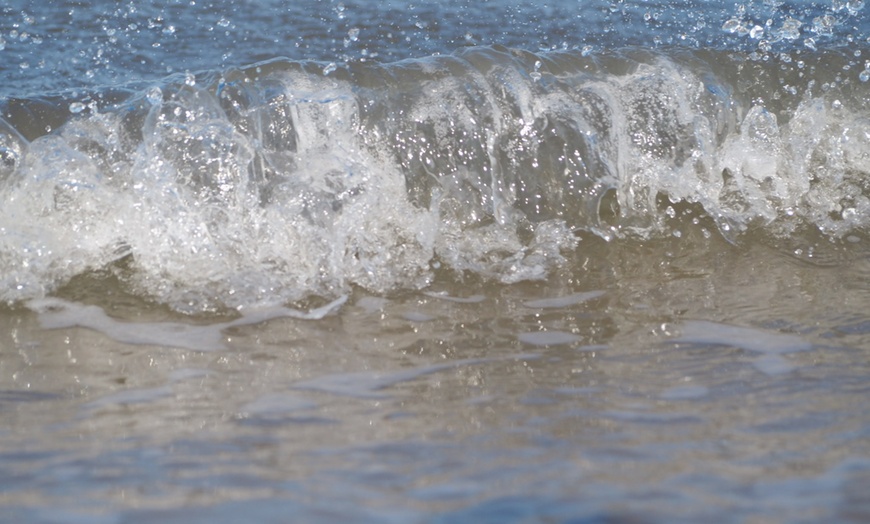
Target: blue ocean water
point(493, 261)
point(71, 45)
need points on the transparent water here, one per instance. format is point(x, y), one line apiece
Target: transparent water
point(458, 262)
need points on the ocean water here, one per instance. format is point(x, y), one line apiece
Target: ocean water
point(320, 261)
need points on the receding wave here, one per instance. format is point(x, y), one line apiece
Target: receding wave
point(288, 179)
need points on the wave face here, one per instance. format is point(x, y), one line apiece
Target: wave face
point(287, 179)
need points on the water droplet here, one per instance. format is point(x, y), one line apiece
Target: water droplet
point(76, 107)
point(189, 79)
point(154, 95)
point(824, 25)
point(353, 34)
point(329, 68)
point(223, 22)
point(790, 29)
point(864, 75)
point(732, 25)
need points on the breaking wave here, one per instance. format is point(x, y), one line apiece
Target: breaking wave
point(283, 180)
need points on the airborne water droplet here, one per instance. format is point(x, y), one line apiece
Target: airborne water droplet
point(154, 95)
point(732, 25)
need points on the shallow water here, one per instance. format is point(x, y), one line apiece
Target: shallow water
point(722, 383)
point(387, 262)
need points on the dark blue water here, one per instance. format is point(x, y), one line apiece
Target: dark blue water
point(571, 261)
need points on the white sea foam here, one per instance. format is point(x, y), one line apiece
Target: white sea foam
point(565, 301)
point(771, 345)
point(55, 313)
point(548, 338)
point(751, 339)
